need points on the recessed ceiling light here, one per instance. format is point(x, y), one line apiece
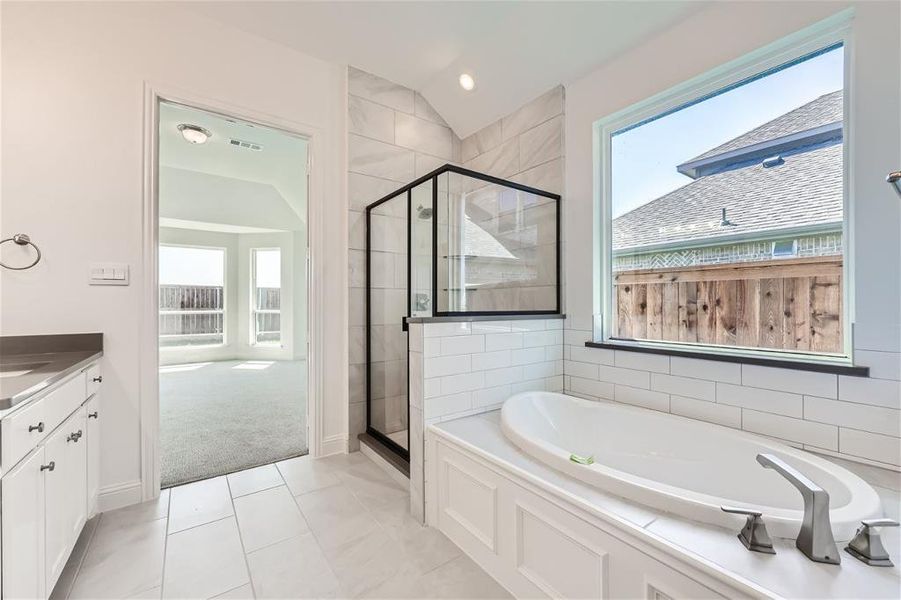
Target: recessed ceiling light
point(467, 82)
point(194, 134)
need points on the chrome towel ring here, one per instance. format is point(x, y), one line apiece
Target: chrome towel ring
point(22, 239)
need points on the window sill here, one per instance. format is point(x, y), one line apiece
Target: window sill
point(765, 361)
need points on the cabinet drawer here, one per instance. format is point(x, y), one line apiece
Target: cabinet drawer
point(21, 431)
point(63, 401)
point(93, 378)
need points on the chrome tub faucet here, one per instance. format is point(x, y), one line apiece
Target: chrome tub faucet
point(815, 538)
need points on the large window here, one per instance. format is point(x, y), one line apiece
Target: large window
point(266, 301)
point(724, 216)
point(192, 296)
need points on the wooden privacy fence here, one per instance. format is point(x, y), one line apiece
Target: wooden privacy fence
point(787, 304)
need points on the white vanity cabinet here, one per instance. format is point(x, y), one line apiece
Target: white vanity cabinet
point(48, 495)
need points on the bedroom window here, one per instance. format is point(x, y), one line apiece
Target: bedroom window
point(266, 301)
point(192, 296)
point(723, 216)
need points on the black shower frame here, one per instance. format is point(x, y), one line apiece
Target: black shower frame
point(408, 190)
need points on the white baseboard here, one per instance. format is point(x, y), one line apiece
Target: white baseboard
point(119, 495)
point(334, 445)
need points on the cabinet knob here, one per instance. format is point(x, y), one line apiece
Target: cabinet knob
point(98, 379)
point(92, 415)
point(74, 436)
point(39, 427)
point(49, 467)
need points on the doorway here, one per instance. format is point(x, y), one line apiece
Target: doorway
point(233, 289)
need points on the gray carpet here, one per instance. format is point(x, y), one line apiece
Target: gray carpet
point(217, 419)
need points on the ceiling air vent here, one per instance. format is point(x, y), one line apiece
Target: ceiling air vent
point(245, 144)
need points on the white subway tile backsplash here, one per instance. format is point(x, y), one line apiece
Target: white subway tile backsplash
point(447, 405)
point(576, 337)
point(531, 385)
point(554, 384)
point(878, 392)
point(490, 326)
point(811, 383)
point(503, 341)
point(462, 344)
point(553, 352)
point(542, 369)
point(643, 398)
point(883, 365)
point(641, 360)
point(542, 338)
point(702, 410)
point(873, 446)
point(528, 325)
point(446, 329)
point(491, 360)
point(875, 419)
point(684, 386)
point(431, 387)
point(591, 387)
point(431, 346)
point(490, 396)
point(465, 382)
point(580, 369)
point(788, 428)
point(629, 377)
point(446, 365)
point(598, 356)
point(525, 356)
point(496, 377)
point(706, 369)
point(769, 401)
point(554, 324)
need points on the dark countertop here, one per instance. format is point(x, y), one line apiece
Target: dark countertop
point(44, 360)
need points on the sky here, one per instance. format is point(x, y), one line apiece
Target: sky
point(206, 266)
point(192, 266)
point(644, 159)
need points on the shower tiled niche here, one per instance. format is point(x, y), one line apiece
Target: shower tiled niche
point(453, 244)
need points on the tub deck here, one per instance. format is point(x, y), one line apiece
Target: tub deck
point(788, 574)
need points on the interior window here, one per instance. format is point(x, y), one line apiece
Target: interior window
point(192, 296)
point(267, 288)
point(727, 216)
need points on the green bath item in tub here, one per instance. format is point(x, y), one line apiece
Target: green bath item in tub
point(582, 460)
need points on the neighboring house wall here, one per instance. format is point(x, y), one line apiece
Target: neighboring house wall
point(394, 136)
point(858, 418)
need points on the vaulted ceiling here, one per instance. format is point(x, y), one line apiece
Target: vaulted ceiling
point(515, 50)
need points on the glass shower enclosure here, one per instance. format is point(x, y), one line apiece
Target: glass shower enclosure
point(453, 243)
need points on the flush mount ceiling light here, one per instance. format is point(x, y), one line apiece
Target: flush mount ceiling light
point(467, 82)
point(194, 134)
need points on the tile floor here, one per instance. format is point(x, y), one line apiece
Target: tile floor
point(337, 527)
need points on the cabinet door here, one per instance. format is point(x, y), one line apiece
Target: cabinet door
point(22, 515)
point(65, 493)
point(92, 437)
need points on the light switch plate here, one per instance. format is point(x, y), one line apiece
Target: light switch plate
point(108, 274)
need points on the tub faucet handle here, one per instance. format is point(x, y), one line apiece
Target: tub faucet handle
point(867, 545)
point(753, 535)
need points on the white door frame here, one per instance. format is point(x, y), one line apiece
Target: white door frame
point(149, 341)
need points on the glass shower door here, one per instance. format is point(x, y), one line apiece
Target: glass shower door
point(387, 304)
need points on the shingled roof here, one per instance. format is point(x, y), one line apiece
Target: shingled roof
point(803, 192)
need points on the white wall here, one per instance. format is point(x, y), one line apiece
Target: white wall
point(73, 86)
point(856, 417)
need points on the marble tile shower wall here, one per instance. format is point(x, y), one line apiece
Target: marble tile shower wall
point(858, 418)
point(394, 136)
point(460, 369)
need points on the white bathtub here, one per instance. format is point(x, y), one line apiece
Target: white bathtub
point(678, 465)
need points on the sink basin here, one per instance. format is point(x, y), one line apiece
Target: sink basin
point(19, 369)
